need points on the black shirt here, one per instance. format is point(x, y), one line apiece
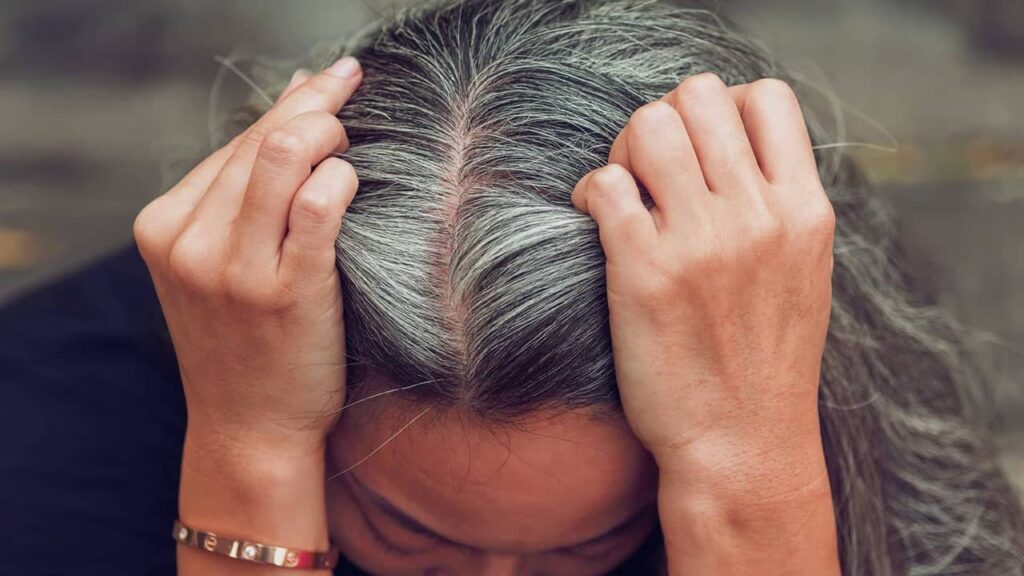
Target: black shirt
point(92, 420)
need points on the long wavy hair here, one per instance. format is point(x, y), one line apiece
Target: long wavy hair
point(471, 281)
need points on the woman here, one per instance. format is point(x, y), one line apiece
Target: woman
point(596, 304)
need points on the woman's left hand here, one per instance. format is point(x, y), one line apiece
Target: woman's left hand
point(719, 300)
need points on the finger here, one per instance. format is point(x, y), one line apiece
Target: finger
point(663, 159)
point(192, 186)
point(190, 189)
point(611, 197)
point(776, 129)
point(718, 135)
point(283, 163)
point(298, 77)
point(619, 152)
point(187, 192)
point(314, 220)
point(324, 92)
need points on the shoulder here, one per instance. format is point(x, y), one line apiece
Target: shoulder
point(91, 424)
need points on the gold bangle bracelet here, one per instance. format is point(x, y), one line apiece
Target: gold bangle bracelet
point(255, 551)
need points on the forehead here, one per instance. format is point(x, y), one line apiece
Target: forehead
point(552, 479)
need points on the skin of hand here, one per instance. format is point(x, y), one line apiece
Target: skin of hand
point(242, 255)
point(719, 299)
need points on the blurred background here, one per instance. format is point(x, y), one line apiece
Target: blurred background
point(101, 101)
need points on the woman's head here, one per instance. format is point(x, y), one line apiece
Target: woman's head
point(473, 285)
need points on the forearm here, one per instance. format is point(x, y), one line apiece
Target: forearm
point(255, 496)
point(766, 516)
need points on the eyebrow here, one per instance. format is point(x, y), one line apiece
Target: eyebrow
point(408, 522)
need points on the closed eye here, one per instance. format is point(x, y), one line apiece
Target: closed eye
point(431, 541)
point(394, 549)
point(593, 549)
point(606, 543)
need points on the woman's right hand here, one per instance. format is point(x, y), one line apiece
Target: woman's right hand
point(242, 255)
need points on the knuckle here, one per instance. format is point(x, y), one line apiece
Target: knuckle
point(283, 147)
point(347, 177)
point(326, 118)
point(314, 208)
point(768, 233)
point(775, 96)
point(647, 120)
point(190, 263)
point(145, 231)
point(332, 128)
point(823, 219)
point(608, 180)
point(677, 97)
point(601, 195)
point(348, 171)
point(319, 119)
point(316, 130)
point(773, 88)
point(650, 112)
point(700, 85)
point(241, 286)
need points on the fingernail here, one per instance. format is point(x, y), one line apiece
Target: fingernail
point(344, 68)
point(301, 72)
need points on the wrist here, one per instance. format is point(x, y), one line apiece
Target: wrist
point(262, 495)
point(224, 441)
point(248, 465)
point(762, 509)
point(769, 449)
point(747, 500)
point(714, 534)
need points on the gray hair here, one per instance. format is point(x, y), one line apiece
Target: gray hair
point(471, 280)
